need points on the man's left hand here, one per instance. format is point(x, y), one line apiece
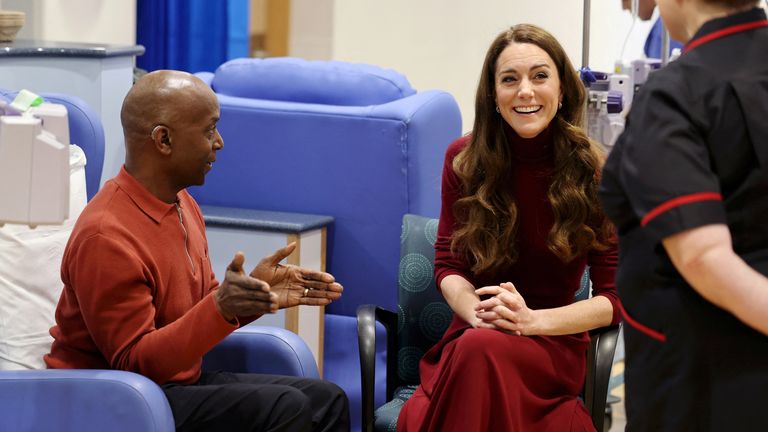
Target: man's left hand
point(296, 285)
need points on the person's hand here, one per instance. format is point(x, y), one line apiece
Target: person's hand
point(505, 311)
point(243, 295)
point(470, 316)
point(296, 285)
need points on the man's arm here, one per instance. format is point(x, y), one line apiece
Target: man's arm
point(115, 297)
point(705, 258)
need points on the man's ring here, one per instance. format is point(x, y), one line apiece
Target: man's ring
point(306, 291)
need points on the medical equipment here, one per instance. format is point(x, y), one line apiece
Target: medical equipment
point(606, 96)
point(34, 164)
point(610, 95)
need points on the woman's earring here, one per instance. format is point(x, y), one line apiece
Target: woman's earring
point(560, 105)
point(497, 109)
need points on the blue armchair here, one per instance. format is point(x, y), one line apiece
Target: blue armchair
point(108, 400)
point(100, 400)
point(352, 141)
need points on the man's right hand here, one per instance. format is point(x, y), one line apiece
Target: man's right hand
point(243, 295)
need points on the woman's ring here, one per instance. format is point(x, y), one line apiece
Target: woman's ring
point(306, 291)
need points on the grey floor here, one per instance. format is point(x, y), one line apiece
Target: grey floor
point(617, 387)
point(619, 415)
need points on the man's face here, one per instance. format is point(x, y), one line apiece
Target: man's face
point(195, 138)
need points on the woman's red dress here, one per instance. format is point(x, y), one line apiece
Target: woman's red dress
point(482, 380)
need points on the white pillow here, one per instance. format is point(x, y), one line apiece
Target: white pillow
point(30, 278)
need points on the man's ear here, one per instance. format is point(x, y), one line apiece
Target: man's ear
point(161, 138)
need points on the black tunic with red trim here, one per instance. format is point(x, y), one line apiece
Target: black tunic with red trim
point(694, 152)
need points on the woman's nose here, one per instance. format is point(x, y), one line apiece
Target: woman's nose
point(525, 89)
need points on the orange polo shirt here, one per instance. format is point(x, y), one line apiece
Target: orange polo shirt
point(137, 285)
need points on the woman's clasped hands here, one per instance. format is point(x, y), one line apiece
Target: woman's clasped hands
point(505, 310)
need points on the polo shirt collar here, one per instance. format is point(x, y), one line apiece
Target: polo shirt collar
point(710, 28)
point(151, 205)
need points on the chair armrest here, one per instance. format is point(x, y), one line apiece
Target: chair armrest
point(262, 349)
point(599, 363)
point(367, 315)
point(82, 400)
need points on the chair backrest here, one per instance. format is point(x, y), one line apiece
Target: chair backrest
point(351, 141)
point(423, 314)
point(85, 130)
point(291, 79)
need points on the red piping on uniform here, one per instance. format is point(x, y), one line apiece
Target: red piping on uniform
point(641, 328)
point(677, 202)
point(724, 32)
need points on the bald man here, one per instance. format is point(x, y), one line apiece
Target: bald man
point(139, 292)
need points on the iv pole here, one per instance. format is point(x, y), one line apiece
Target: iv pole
point(664, 46)
point(585, 57)
point(585, 35)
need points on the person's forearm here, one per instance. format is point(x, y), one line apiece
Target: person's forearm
point(724, 279)
point(460, 295)
point(705, 258)
point(161, 354)
point(575, 318)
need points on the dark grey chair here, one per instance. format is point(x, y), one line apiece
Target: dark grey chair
point(421, 320)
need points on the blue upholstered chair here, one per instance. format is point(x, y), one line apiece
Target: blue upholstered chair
point(352, 141)
point(348, 140)
point(421, 319)
point(108, 400)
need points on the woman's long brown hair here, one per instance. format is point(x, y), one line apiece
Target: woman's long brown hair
point(487, 214)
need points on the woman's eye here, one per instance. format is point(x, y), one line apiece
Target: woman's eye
point(507, 79)
point(541, 75)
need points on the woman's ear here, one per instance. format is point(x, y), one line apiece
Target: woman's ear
point(161, 138)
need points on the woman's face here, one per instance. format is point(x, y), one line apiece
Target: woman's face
point(527, 88)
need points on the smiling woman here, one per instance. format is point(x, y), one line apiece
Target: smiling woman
point(520, 220)
point(527, 88)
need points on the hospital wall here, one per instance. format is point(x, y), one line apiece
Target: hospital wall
point(89, 21)
point(436, 44)
point(440, 44)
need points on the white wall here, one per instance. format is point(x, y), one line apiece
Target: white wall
point(436, 44)
point(311, 29)
point(440, 44)
point(91, 21)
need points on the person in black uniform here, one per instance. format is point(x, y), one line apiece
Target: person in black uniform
point(687, 188)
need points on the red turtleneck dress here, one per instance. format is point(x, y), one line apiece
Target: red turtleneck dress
point(482, 380)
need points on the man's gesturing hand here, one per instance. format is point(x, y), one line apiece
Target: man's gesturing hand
point(296, 285)
point(243, 295)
